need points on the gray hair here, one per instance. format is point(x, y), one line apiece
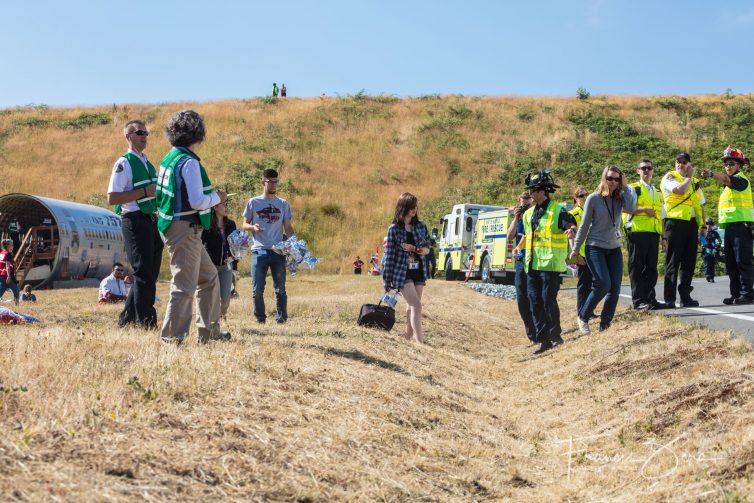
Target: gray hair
point(185, 128)
point(6, 244)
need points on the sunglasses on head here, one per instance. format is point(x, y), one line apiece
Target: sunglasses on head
point(612, 178)
point(140, 132)
point(646, 168)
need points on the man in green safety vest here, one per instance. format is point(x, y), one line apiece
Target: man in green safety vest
point(275, 90)
point(643, 231)
point(735, 213)
point(547, 228)
point(184, 203)
point(132, 190)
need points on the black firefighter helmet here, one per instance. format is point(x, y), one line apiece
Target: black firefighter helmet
point(541, 180)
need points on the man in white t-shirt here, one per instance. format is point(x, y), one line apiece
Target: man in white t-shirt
point(113, 288)
point(132, 191)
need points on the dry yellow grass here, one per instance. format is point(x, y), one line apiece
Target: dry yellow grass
point(322, 410)
point(348, 160)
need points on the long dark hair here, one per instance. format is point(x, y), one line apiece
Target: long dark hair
point(406, 203)
point(213, 220)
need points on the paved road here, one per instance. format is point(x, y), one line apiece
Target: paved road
point(711, 311)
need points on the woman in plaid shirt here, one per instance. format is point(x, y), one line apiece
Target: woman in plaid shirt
point(407, 242)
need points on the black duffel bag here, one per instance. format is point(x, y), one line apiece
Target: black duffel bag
point(377, 315)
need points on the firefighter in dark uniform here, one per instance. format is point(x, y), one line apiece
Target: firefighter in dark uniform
point(547, 228)
point(735, 213)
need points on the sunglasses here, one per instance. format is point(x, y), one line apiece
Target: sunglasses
point(730, 164)
point(612, 178)
point(140, 132)
point(579, 196)
point(646, 168)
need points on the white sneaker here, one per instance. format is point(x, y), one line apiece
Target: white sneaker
point(583, 326)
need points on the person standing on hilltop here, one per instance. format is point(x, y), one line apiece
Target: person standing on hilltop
point(516, 234)
point(684, 211)
point(600, 230)
point(132, 191)
point(283, 91)
point(407, 242)
point(547, 228)
point(268, 218)
point(735, 214)
point(275, 90)
point(185, 199)
point(643, 232)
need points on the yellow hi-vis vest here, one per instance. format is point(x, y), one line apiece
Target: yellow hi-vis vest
point(641, 222)
point(679, 205)
point(547, 247)
point(734, 205)
point(577, 213)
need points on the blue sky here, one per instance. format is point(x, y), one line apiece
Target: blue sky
point(104, 52)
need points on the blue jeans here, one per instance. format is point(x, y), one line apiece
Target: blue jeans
point(13, 287)
point(543, 287)
point(607, 270)
point(259, 265)
point(522, 298)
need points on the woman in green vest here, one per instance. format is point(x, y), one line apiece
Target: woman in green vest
point(185, 199)
point(584, 285)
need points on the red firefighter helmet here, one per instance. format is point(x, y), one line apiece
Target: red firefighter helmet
point(735, 154)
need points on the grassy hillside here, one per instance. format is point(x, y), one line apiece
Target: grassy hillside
point(344, 161)
point(322, 410)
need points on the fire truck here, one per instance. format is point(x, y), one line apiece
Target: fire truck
point(473, 242)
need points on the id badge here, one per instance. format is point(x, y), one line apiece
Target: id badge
point(413, 266)
point(617, 233)
point(261, 253)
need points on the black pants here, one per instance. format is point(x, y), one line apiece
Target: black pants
point(144, 250)
point(680, 259)
point(543, 287)
point(522, 299)
point(738, 259)
point(643, 253)
point(430, 264)
point(583, 287)
point(709, 265)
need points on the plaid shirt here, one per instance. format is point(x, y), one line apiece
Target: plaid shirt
point(395, 260)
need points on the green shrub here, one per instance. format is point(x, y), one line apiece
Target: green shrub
point(454, 167)
point(32, 122)
point(582, 93)
point(86, 120)
point(526, 115)
point(331, 210)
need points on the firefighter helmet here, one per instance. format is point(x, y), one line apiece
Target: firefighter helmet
point(542, 179)
point(735, 154)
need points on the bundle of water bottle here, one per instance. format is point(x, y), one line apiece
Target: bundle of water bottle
point(296, 253)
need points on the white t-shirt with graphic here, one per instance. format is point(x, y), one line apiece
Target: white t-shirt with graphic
point(269, 214)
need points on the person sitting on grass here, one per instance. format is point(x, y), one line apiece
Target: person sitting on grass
point(27, 296)
point(113, 288)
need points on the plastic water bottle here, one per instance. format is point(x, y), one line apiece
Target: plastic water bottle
point(390, 298)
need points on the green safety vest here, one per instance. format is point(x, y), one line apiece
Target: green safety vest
point(547, 247)
point(14, 227)
point(577, 213)
point(641, 222)
point(141, 176)
point(734, 205)
point(679, 205)
point(166, 191)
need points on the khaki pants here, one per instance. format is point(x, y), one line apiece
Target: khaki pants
point(194, 276)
